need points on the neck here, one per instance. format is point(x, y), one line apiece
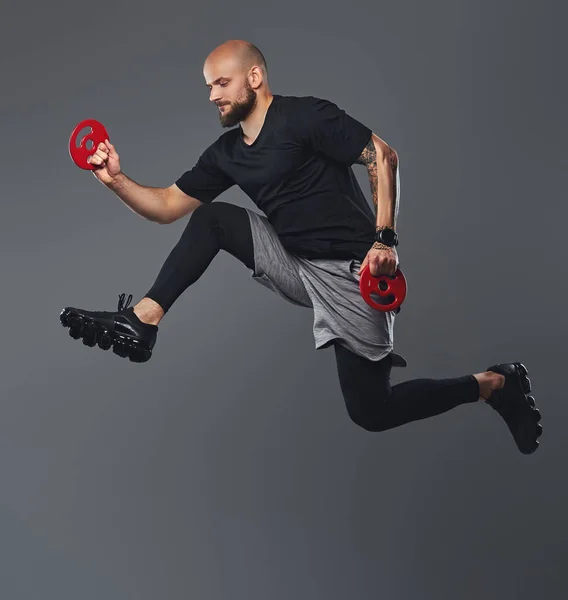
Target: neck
point(252, 125)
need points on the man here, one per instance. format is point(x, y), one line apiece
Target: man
point(292, 156)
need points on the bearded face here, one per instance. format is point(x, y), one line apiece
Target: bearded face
point(233, 112)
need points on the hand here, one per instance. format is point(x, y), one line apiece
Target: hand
point(107, 162)
point(381, 261)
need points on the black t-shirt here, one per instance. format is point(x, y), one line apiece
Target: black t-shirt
point(298, 172)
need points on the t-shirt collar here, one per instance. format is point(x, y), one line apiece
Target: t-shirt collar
point(263, 128)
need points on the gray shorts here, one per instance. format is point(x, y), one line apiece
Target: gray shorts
point(330, 287)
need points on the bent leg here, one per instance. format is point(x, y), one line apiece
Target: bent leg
point(211, 227)
point(375, 405)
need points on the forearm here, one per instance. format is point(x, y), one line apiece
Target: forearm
point(148, 202)
point(382, 163)
point(382, 177)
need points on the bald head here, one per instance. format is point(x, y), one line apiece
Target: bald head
point(235, 73)
point(237, 54)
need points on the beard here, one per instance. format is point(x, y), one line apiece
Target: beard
point(239, 110)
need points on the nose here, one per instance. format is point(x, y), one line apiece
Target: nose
point(214, 96)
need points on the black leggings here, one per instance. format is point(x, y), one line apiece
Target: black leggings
point(375, 405)
point(371, 401)
point(211, 227)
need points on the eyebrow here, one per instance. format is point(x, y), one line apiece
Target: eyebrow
point(216, 80)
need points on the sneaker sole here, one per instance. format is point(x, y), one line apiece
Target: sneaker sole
point(525, 384)
point(523, 377)
point(94, 334)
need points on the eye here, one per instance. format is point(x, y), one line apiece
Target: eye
point(225, 84)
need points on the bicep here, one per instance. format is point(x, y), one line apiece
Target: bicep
point(179, 203)
point(375, 149)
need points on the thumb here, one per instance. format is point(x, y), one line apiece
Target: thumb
point(110, 147)
point(365, 261)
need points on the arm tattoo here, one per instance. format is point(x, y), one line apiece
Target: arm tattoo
point(369, 154)
point(369, 159)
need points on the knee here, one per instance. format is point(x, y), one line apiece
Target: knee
point(369, 420)
point(205, 212)
point(209, 216)
point(372, 425)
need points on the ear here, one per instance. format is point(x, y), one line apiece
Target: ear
point(255, 77)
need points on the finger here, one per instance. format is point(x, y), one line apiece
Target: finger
point(394, 267)
point(373, 268)
point(94, 160)
point(376, 267)
point(102, 147)
point(111, 148)
point(102, 155)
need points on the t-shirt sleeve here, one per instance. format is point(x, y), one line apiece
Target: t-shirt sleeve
point(330, 131)
point(206, 180)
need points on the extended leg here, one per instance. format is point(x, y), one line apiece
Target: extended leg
point(375, 405)
point(132, 331)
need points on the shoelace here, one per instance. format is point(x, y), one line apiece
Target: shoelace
point(121, 304)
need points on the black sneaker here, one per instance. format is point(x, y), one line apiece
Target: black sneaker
point(516, 407)
point(122, 330)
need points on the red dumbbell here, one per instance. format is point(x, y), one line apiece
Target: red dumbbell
point(79, 154)
point(395, 285)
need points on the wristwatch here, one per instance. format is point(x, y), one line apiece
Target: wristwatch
point(387, 236)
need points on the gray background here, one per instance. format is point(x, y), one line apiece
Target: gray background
point(227, 467)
